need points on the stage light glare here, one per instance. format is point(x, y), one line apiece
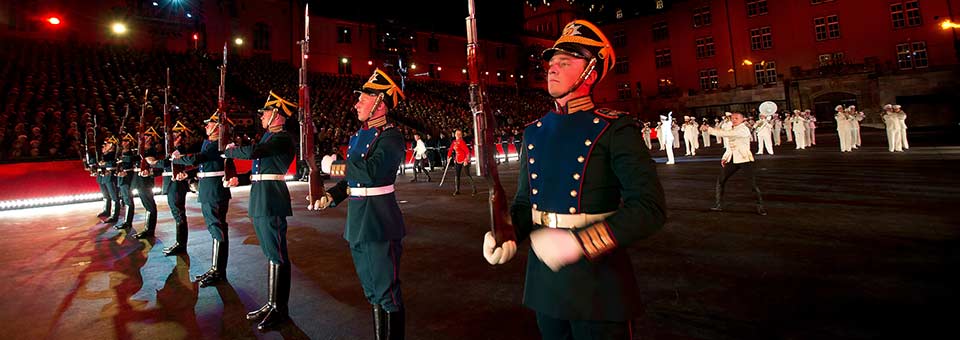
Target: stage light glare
point(118, 28)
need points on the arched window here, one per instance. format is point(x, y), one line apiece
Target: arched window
point(261, 36)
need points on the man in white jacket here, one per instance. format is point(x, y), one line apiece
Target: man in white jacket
point(902, 118)
point(764, 139)
point(788, 125)
point(855, 118)
point(646, 135)
point(799, 124)
point(811, 127)
point(843, 128)
point(893, 129)
point(736, 157)
point(419, 158)
point(690, 136)
point(675, 129)
point(704, 127)
point(777, 129)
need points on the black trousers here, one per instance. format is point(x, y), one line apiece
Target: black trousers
point(729, 170)
point(420, 166)
point(109, 192)
point(378, 267)
point(459, 168)
point(558, 329)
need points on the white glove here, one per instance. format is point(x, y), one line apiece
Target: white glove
point(498, 255)
point(555, 247)
point(322, 203)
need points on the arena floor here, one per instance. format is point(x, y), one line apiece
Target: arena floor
point(861, 245)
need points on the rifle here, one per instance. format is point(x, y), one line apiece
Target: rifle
point(116, 148)
point(141, 133)
point(87, 157)
point(306, 117)
point(229, 168)
point(96, 149)
point(168, 146)
point(484, 124)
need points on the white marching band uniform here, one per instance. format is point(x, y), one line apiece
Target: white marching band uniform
point(777, 129)
point(705, 133)
point(799, 124)
point(764, 139)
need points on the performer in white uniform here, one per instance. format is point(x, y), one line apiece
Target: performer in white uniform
point(902, 118)
point(764, 139)
point(894, 143)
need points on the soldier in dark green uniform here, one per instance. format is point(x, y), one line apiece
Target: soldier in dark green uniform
point(125, 179)
point(375, 226)
point(270, 204)
point(587, 189)
point(176, 190)
point(108, 179)
point(143, 182)
point(214, 197)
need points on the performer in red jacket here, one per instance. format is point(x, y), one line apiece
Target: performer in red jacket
point(463, 159)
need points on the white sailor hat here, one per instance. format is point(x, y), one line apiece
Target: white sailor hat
point(838, 108)
point(888, 107)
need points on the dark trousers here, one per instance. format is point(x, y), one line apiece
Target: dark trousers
point(729, 170)
point(109, 194)
point(506, 151)
point(420, 165)
point(144, 186)
point(126, 196)
point(272, 234)
point(558, 329)
point(177, 200)
point(459, 168)
point(378, 267)
point(215, 215)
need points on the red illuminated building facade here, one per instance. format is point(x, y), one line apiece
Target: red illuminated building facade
point(699, 57)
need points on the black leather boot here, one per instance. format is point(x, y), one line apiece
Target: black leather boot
point(271, 295)
point(278, 298)
point(218, 270)
point(175, 249)
point(395, 325)
point(148, 231)
point(718, 206)
point(379, 323)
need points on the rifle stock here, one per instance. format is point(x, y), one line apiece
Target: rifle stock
point(484, 124)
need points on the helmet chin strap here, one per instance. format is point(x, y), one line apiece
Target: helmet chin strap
point(583, 77)
point(376, 104)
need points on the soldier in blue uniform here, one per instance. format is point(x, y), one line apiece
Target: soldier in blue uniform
point(214, 197)
point(144, 181)
point(270, 205)
point(125, 180)
point(375, 227)
point(176, 191)
point(587, 189)
point(107, 180)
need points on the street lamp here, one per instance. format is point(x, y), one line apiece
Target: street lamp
point(238, 41)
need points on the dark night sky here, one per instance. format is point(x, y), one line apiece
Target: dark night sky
point(496, 19)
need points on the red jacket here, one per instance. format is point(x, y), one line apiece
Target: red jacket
point(463, 152)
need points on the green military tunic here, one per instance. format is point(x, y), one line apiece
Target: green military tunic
point(375, 225)
point(587, 161)
point(272, 155)
point(213, 196)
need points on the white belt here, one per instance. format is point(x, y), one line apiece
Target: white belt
point(266, 177)
point(210, 174)
point(375, 191)
point(167, 174)
point(566, 221)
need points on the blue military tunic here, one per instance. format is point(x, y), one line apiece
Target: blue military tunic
point(373, 157)
point(582, 160)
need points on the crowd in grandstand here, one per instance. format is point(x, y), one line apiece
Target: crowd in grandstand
point(52, 92)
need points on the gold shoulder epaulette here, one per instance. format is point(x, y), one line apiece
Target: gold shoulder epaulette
point(610, 113)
